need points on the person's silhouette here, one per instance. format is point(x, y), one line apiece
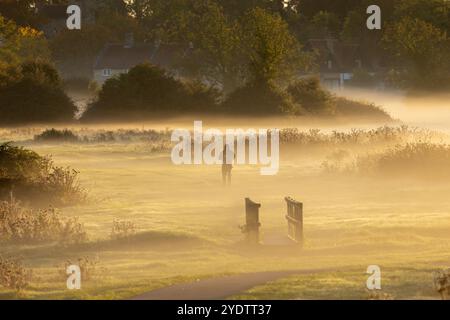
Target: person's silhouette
point(227, 165)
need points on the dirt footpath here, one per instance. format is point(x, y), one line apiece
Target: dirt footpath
point(218, 288)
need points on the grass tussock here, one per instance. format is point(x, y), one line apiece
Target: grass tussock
point(13, 275)
point(21, 225)
point(84, 136)
point(35, 178)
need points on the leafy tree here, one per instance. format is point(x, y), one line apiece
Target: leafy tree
point(272, 52)
point(436, 12)
point(214, 41)
point(21, 12)
point(145, 91)
point(423, 50)
point(325, 24)
point(139, 9)
point(19, 44)
point(31, 93)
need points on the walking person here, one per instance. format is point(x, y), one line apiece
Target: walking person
point(227, 165)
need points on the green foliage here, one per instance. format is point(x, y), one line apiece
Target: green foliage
point(215, 40)
point(201, 98)
point(260, 99)
point(19, 44)
point(362, 110)
point(309, 94)
point(145, 91)
point(34, 178)
point(231, 43)
point(436, 12)
point(424, 50)
point(32, 92)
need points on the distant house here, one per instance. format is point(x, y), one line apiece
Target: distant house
point(116, 59)
point(337, 61)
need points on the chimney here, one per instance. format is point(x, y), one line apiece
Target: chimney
point(129, 40)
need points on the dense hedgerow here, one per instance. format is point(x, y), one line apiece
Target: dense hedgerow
point(36, 179)
point(54, 135)
point(260, 99)
point(147, 90)
point(33, 93)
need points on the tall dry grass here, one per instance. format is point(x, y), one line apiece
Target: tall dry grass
point(26, 226)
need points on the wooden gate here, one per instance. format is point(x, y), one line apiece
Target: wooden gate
point(295, 220)
point(251, 228)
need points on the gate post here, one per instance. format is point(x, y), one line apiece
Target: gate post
point(251, 228)
point(294, 217)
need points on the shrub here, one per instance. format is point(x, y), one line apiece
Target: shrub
point(54, 135)
point(260, 98)
point(32, 93)
point(13, 274)
point(351, 108)
point(309, 94)
point(201, 97)
point(21, 225)
point(145, 91)
point(33, 177)
point(123, 229)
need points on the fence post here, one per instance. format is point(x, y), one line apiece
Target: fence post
point(251, 228)
point(294, 217)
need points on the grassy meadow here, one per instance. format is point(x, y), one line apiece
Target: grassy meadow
point(186, 224)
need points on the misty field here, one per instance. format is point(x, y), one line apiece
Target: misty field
point(183, 225)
